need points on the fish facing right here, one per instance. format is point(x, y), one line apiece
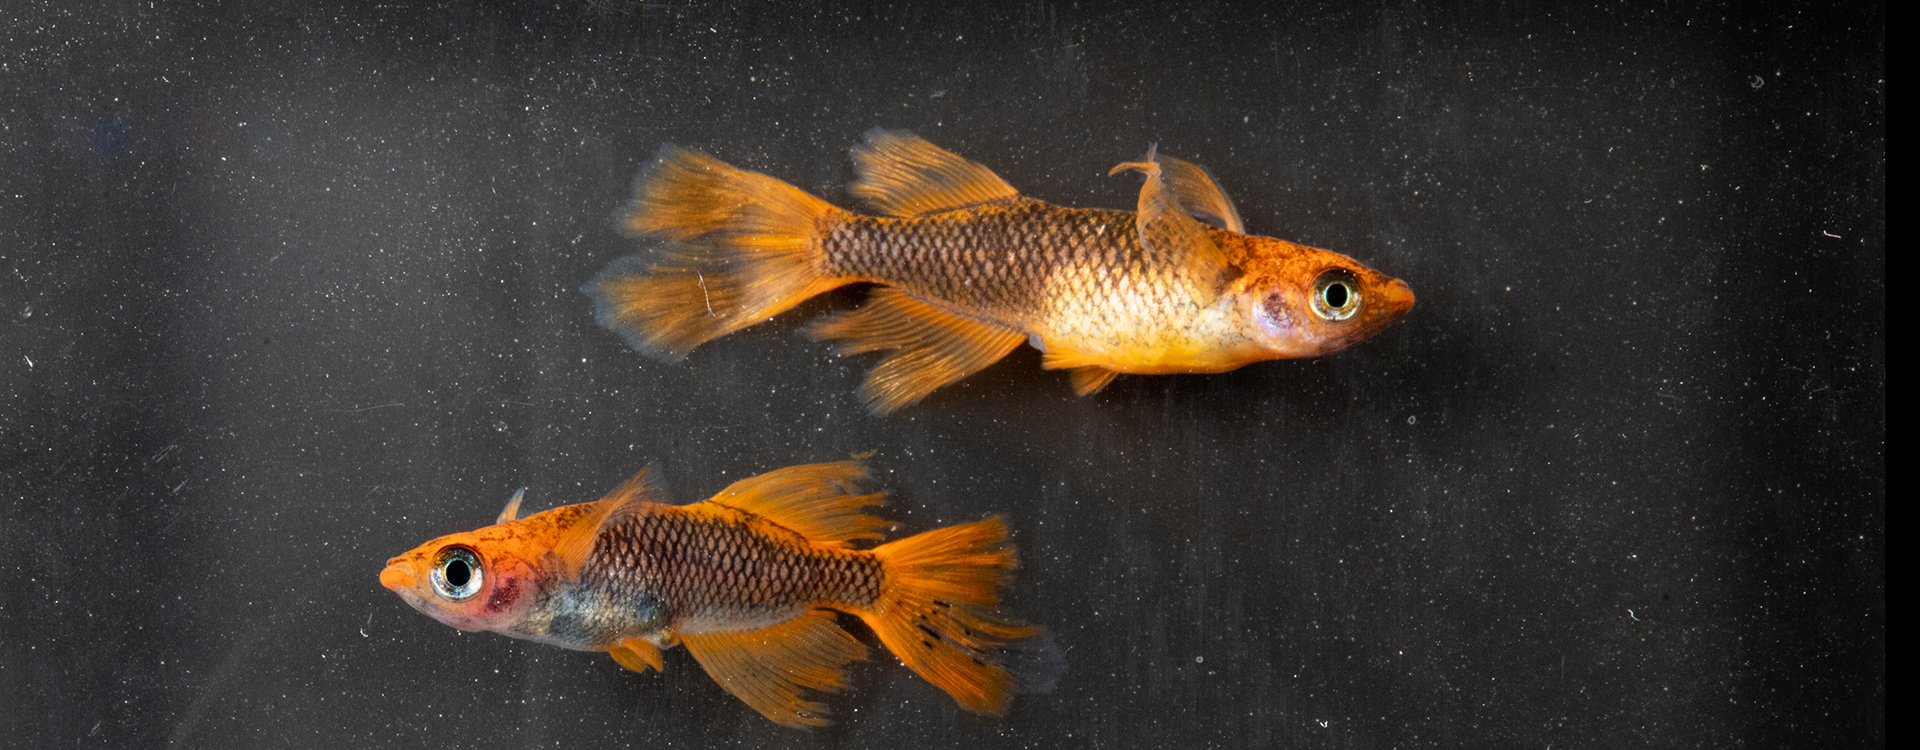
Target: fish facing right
point(968, 269)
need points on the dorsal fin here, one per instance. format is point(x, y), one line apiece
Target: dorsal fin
point(1167, 230)
point(1199, 194)
point(512, 511)
point(901, 174)
point(817, 501)
point(932, 345)
point(576, 542)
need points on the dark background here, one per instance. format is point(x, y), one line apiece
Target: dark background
point(290, 290)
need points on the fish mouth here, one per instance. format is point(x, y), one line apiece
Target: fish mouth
point(398, 575)
point(1399, 298)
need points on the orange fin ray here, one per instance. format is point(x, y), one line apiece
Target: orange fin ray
point(932, 346)
point(937, 611)
point(901, 174)
point(743, 247)
point(1060, 356)
point(576, 542)
point(1089, 380)
point(768, 668)
point(817, 501)
point(1199, 194)
point(512, 511)
point(1167, 230)
point(637, 654)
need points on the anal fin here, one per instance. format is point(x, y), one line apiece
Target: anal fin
point(637, 654)
point(1089, 380)
point(768, 668)
point(932, 346)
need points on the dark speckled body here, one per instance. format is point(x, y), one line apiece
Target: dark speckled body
point(662, 568)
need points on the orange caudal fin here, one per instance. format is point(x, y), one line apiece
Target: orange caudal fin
point(937, 611)
point(741, 247)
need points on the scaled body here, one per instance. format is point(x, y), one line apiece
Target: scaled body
point(971, 269)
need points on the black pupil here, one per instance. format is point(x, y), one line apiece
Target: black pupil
point(458, 573)
point(1336, 295)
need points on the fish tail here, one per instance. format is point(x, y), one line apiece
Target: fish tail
point(937, 611)
point(741, 247)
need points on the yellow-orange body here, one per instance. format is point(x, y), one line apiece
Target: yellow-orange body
point(746, 581)
point(971, 269)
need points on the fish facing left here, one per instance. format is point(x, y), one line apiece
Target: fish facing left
point(747, 580)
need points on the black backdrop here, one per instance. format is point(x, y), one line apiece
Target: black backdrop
point(288, 291)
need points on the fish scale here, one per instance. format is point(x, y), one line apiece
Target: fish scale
point(1000, 259)
point(706, 568)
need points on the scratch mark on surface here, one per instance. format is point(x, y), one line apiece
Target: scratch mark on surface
point(365, 408)
point(218, 685)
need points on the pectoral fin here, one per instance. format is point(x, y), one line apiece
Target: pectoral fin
point(1199, 194)
point(576, 542)
point(768, 668)
point(932, 346)
point(1166, 229)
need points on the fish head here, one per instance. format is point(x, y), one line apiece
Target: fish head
point(1305, 302)
point(471, 581)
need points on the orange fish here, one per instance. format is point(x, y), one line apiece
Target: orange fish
point(970, 269)
point(748, 581)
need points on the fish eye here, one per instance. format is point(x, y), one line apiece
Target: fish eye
point(1336, 295)
point(457, 574)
